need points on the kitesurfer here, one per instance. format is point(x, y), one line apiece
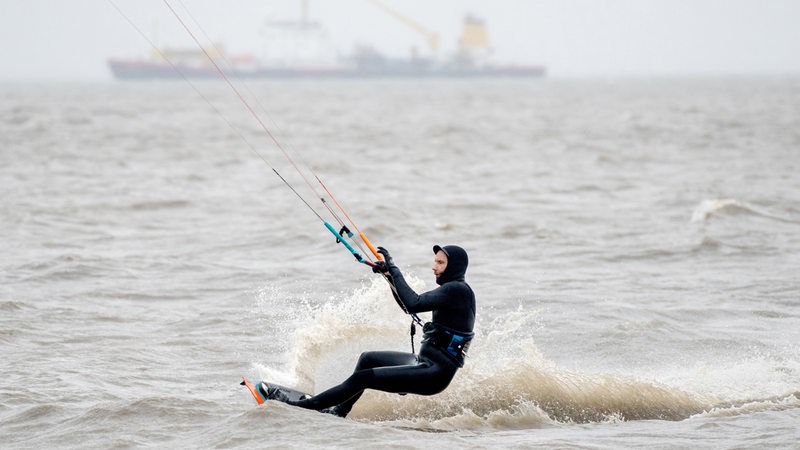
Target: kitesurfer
point(445, 340)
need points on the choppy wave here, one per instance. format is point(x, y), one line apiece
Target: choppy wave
point(722, 207)
point(162, 204)
point(782, 403)
point(11, 305)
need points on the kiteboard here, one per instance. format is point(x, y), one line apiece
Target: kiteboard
point(263, 391)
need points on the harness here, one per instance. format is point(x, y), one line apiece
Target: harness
point(454, 343)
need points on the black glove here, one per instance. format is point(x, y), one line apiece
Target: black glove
point(380, 267)
point(386, 256)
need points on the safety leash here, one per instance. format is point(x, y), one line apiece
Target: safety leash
point(413, 332)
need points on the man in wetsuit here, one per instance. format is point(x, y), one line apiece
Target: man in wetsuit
point(445, 341)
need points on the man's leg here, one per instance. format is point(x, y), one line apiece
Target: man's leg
point(345, 395)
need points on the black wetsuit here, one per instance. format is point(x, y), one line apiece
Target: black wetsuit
point(444, 344)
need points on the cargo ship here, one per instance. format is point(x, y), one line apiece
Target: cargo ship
point(301, 49)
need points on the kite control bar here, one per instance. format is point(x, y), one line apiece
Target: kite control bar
point(340, 237)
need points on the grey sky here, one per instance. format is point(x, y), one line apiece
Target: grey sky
point(51, 39)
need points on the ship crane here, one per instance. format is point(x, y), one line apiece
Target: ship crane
point(431, 36)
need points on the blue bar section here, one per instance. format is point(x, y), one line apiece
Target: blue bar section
point(343, 241)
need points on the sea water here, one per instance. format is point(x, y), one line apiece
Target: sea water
point(634, 249)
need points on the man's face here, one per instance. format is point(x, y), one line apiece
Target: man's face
point(439, 263)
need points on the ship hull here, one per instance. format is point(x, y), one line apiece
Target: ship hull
point(146, 70)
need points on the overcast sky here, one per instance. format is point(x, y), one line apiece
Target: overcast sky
point(71, 39)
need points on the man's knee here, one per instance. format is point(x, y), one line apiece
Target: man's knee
point(369, 360)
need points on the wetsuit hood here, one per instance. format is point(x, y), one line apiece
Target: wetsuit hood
point(457, 262)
